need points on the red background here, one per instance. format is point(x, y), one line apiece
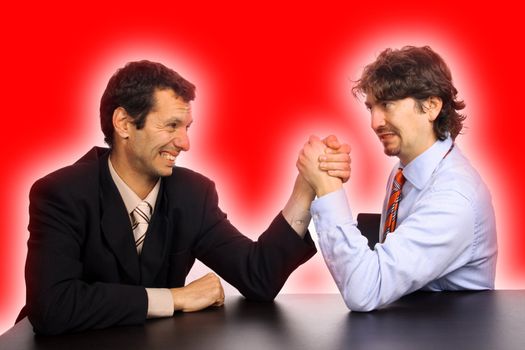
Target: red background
point(268, 75)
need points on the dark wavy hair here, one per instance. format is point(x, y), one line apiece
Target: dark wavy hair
point(416, 72)
point(132, 88)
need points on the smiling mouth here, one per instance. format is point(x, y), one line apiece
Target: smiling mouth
point(168, 156)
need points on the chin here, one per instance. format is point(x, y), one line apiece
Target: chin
point(164, 171)
point(391, 152)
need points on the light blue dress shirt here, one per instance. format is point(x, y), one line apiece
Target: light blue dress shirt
point(445, 237)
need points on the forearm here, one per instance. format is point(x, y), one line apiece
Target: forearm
point(297, 210)
point(77, 306)
point(346, 253)
point(257, 269)
point(414, 255)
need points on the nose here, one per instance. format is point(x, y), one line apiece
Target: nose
point(182, 141)
point(377, 118)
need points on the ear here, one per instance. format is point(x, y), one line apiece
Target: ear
point(434, 105)
point(121, 122)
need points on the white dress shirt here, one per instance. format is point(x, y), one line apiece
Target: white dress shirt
point(445, 237)
point(160, 301)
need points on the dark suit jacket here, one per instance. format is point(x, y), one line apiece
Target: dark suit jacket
point(83, 271)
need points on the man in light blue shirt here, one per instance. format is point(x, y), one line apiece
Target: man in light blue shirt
point(445, 234)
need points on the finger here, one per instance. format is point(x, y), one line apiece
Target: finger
point(344, 175)
point(313, 139)
point(334, 166)
point(218, 303)
point(220, 299)
point(221, 291)
point(337, 157)
point(344, 148)
point(332, 142)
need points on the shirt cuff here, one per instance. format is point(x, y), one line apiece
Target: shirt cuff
point(160, 302)
point(331, 209)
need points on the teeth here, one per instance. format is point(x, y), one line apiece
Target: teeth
point(167, 156)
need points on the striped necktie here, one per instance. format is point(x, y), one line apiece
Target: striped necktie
point(393, 203)
point(140, 218)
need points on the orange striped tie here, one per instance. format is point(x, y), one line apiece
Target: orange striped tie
point(393, 203)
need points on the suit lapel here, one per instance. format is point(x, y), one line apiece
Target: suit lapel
point(115, 224)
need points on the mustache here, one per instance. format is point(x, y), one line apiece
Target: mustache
point(386, 130)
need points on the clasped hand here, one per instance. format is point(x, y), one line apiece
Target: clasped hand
point(324, 164)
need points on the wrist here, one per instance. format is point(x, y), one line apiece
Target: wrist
point(175, 295)
point(303, 194)
point(327, 186)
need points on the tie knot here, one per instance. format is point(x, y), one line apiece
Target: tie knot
point(142, 213)
point(400, 178)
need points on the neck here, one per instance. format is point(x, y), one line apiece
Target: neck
point(139, 183)
point(416, 152)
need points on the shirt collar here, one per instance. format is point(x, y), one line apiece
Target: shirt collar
point(130, 198)
point(419, 171)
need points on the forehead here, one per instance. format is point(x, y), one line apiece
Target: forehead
point(370, 99)
point(169, 104)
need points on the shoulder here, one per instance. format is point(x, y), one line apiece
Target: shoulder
point(456, 173)
point(82, 176)
point(192, 193)
point(187, 181)
point(188, 175)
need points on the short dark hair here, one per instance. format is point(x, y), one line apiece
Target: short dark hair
point(132, 88)
point(416, 72)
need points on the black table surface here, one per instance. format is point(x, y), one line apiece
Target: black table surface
point(447, 320)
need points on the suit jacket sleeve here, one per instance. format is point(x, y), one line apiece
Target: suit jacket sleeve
point(257, 269)
point(58, 299)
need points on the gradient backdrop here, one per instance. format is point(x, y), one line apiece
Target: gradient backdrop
point(268, 75)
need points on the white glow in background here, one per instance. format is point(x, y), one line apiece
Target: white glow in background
point(365, 190)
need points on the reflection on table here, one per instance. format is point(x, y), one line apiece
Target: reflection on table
point(448, 320)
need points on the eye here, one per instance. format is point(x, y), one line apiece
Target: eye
point(387, 104)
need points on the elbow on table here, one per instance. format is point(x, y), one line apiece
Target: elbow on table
point(260, 294)
point(360, 304)
point(49, 316)
point(45, 324)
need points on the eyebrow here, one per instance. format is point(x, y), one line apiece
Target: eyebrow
point(178, 120)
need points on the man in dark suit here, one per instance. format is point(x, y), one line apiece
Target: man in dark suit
point(113, 236)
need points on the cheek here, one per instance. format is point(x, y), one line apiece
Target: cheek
point(158, 141)
point(166, 137)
